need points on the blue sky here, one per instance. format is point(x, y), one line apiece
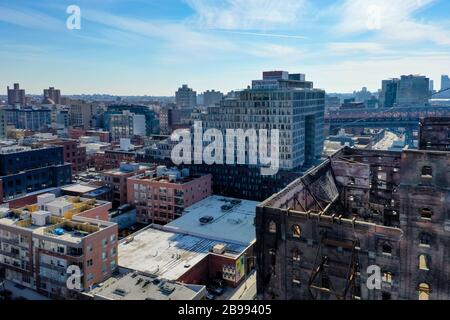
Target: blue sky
point(152, 47)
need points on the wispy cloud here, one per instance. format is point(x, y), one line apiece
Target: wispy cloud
point(346, 48)
point(391, 20)
point(30, 19)
point(246, 14)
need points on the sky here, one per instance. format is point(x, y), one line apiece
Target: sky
point(152, 47)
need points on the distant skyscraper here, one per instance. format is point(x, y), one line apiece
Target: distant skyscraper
point(16, 95)
point(413, 90)
point(408, 90)
point(388, 95)
point(431, 85)
point(53, 94)
point(185, 97)
point(445, 82)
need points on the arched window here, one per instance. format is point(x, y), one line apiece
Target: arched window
point(272, 227)
point(296, 255)
point(424, 262)
point(427, 171)
point(426, 213)
point(387, 249)
point(296, 231)
point(387, 277)
point(424, 291)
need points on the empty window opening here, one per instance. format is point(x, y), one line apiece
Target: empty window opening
point(296, 231)
point(296, 255)
point(272, 227)
point(424, 291)
point(424, 262)
point(425, 240)
point(387, 277)
point(387, 249)
point(426, 213)
point(427, 171)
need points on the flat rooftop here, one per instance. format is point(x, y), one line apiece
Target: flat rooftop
point(235, 224)
point(78, 188)
point(69, 228)
point(166, 254)
point(142, 286)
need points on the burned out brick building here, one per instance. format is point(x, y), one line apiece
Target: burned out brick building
point(435, 134)
point(319, 237)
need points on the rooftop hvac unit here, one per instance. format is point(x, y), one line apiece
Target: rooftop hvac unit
point(45, 198)
point(219, 248)
point(160, 170)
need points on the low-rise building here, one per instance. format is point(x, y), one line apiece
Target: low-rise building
point(73, 153)
point(161, 196)
point(116, 180)
point(136, 285)
point(24, 170)
point(38, 244)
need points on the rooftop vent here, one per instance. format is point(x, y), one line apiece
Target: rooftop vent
point(205, 220)
point(120, 292)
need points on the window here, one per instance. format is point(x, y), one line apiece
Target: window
point(113, 238)
point(272, 227)
point(90, 262)
point(296, 231)
point(425, 240)
point(387, 277)
point(424, 262)
point(104, 255)
point(424, 291)
point(387, 249)
point(426, 213)
point(427, 171)
point(296, 255)
point(296, 278)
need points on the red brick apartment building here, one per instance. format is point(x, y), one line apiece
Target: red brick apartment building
point(73, 153)
point(161, 198)
point(113, 158)
point(39, 242)
point(116, 179)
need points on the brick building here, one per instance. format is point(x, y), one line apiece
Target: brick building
point(39, 242)
point(317, 238)
point(162, 196)
point(116, 180)
point(73, 153)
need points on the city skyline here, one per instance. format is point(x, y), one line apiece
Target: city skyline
point(156, 47)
